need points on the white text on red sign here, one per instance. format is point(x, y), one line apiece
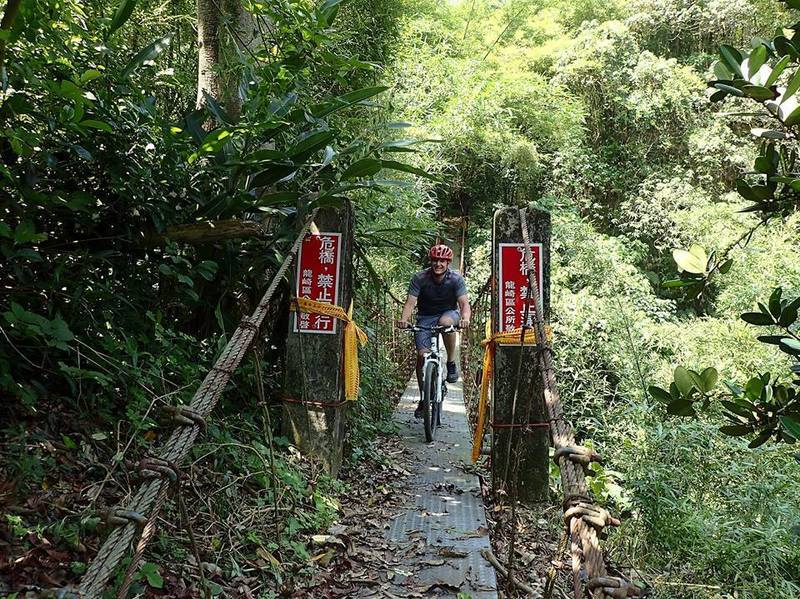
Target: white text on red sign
point(515, 298)
point(318, 267)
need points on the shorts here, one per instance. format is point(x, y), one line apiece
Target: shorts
point(422, 339)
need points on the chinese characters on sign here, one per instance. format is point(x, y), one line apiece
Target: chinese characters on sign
point(513, 284)
point(318, 279)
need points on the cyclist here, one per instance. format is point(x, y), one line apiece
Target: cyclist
point(440, 296)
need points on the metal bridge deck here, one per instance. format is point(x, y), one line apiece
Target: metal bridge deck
point(442, 533)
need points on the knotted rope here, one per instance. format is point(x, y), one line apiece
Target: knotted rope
point(151, 495)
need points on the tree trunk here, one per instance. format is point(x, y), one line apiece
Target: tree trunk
point(9, 16)
point(218, 76)
point(214, 231)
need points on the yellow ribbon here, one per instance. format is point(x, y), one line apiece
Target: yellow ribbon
point(489, 343)
point(353, 335)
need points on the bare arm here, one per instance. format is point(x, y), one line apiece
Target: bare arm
point(466, 311)
point(408, 309)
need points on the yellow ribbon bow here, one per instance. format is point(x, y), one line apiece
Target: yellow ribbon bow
point(489, 343)
point(353, 335)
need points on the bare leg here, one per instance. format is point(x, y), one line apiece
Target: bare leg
point(421, 353)
point(449, 339)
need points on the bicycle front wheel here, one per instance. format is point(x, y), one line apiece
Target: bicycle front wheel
point(430, 398)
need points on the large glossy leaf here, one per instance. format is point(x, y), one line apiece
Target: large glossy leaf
point(346, 100)
point(732, 59)
point(710, 376)
point(792, 118)
point(407, 168)
point(217, 110)
point(149, 52)
point(94, 124)
point(123, 13)
point(310, 143)
point(722, 71)
point(777, 70)
point(272, 175)
point(691, 261)
point(735, 91)
point(784, 47)
point(681, 407)
point(754, 387)
point(775, 302)
point(684, 380)
point(788, 316)
point(762, 438)
point(790, 346)
point(736, 430)
point(756, 59)
point(758, 92)
point(791, 426)
point(366, 167)
point(757, 318)
point(791, 87)
point(768, 133)
point(660, 394)
point(672, 283)
point(770, 339)
point(737, 409)
point(328, 10)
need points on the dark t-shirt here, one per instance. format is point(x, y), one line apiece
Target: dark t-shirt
point(436, 298)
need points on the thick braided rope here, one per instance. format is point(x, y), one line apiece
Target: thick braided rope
point(572, 477)
point(147, 533)
point(180, 441)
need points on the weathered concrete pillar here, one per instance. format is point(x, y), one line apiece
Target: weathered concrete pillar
point(314, 408)
point(525, 430)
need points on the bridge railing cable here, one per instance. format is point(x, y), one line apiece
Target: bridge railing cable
point(138, 515)
point(585, 519)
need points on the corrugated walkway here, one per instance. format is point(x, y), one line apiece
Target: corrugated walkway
point(440, 536)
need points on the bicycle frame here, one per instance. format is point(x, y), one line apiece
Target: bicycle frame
point(435, 397)
point(435, 355)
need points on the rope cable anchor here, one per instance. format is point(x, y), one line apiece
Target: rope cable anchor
point(121, 517)
point(614, 587)
point(577, 454)
point(186, 416)
point(154, 467)
point(595, 516)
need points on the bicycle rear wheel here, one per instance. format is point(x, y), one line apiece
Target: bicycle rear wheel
point(430, 405)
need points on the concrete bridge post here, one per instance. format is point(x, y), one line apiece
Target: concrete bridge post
point(315, 408)
point(519, 425)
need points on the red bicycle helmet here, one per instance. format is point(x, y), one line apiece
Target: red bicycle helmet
point(440, 252)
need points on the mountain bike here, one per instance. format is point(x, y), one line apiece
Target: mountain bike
point(434, 385)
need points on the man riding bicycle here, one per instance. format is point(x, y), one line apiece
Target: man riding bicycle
point(440, 296)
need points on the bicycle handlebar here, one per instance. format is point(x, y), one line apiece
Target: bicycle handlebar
point(439, 328)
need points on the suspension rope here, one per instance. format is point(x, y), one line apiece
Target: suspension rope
point(582, 522)
point(151, 494)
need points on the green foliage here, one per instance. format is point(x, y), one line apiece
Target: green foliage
point(104, 314)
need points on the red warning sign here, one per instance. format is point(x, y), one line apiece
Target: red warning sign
point(318, 279)
point(513, 284)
